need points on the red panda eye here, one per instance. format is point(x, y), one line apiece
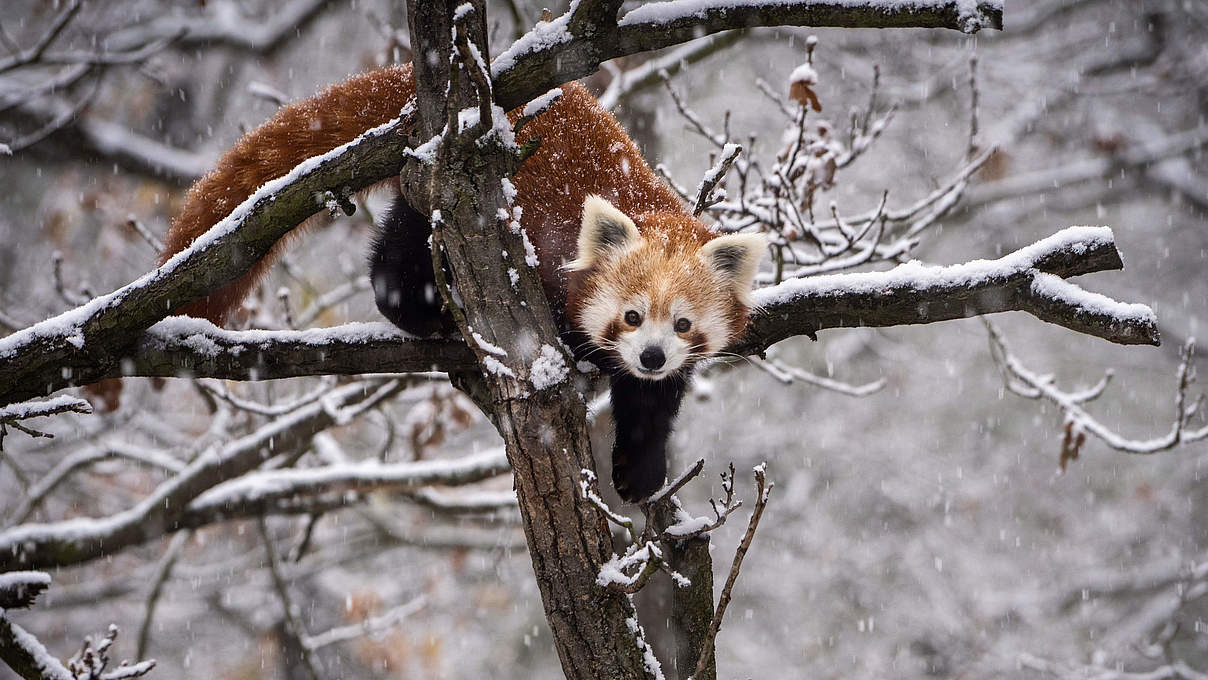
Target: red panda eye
point(633, 318)
point(682, 325)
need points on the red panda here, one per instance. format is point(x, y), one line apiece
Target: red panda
point(640, 287)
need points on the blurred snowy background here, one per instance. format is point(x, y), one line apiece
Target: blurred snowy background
point(920, 531)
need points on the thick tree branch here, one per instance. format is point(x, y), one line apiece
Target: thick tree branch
point(19, 589)
point(93, 336)
point(27, 657)
point(86, 538)
point(915, 294)
point(197, 348)
point(908, 295)
point(574, 44)
point(25, 654)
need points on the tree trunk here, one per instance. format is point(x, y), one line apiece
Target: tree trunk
point(544, 430)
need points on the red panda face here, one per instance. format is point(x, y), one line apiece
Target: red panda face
point(658, 293)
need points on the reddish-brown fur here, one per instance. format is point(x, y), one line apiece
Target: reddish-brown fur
point(584, 150)
point(296, 132)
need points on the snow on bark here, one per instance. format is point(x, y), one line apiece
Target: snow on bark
point(612, 572)
point(544, 35)
point(16, 579)
point(548, 369)
point(540, 104)
point(1055, 288)
point(656, 13)
point(19, 589)
point(487, 346)
point(496, 367)
point(205, 338)
point(651, 662)
point(32, 651)
point(46, 407)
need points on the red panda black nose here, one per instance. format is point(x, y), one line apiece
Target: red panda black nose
point(652, 357)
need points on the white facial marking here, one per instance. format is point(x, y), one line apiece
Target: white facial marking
point(599, 311)
point(711, 322)
point(654, 333)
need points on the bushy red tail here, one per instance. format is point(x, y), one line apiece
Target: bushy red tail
point(298, 131)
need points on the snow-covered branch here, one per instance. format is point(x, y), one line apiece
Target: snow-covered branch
point(19, 589)
point(81, 539)
point(574, 44)
point(912, 293)
point(255, 494)
point(252, 493)
point(26, 655)
point(195, 347)
point(369, 626)
point(12, 414)
point(1026, 280)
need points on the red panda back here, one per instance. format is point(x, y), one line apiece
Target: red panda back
point(584, 150)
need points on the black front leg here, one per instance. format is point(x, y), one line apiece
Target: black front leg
point(644, 411)
point(400, 269)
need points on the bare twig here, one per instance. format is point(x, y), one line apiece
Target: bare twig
point(625, 84)
point(218, 26)
point(1024, 382)
point(788, 374)
point(708, 183)
point(678, 483)
point(162, 571)
point(587, 486)
point(763, 487)
point(369, 626)
point(77, 460)
point(293, 622)
point(34, 52)
point(90, 662)
point(139, 228)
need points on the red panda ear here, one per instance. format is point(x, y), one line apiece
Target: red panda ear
point(604, 228)
point(736, 258)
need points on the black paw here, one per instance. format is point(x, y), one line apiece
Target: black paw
point(638, 480)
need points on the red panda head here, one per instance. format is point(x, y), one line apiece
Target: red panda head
point(659, 291)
